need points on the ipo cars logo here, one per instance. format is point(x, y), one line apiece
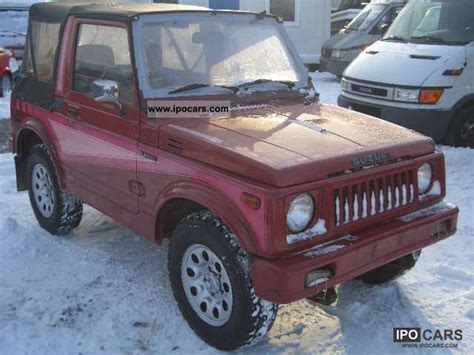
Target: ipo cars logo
point(439, 338)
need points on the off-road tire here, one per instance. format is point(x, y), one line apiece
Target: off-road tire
point(5, 76)
point(392, 270)
point(251, 317)
point(457, 132)
point(67, 209)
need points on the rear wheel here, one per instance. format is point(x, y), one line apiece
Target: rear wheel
point(210, 278)
point(392, 270)
point(56, 211)
point(5, 85)
point(461, 133)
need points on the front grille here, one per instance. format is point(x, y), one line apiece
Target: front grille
point(369, 90)
point(367, 198)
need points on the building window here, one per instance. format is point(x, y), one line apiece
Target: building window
point(286, 9)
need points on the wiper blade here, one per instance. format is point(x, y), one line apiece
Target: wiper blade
point(191, 87)
point(428, 38)
point(394, 38)
point(290, 84)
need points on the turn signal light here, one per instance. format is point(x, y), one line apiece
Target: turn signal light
point(430, 96)
point(250, 200)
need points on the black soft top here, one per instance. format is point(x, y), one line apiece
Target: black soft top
point(58, 12)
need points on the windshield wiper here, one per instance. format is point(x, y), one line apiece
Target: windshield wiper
point(429, 39)
point(191, 87)
point(289, 84)
point(394, 38)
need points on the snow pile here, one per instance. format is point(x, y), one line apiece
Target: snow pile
point(104, 290)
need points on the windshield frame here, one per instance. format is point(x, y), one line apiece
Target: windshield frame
point(374, 22)
point(149, 92)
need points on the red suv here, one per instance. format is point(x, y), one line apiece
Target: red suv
point(281, 199)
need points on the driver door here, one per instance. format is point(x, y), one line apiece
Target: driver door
point(101, 146)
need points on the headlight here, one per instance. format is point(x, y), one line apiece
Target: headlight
point(407, 95)
point(300, 213)
point(422, 96)
point(425, 174)
point(345, 85)
point(337, 53)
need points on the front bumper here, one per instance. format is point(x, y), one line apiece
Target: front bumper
point(430, 122)
point(283, 280)
point(332, 66)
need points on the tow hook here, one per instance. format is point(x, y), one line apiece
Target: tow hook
point(326, 297)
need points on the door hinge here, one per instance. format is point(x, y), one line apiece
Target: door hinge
point(136, 188)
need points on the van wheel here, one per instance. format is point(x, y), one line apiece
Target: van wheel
point(461, 133)
point(210, 278)
point(391, 271)
point(57, 211)
point(5, 85)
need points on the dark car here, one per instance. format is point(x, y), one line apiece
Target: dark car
point(368, 27)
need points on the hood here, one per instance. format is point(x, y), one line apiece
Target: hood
point(291, 145)
point(347, 40)
point(410, 64)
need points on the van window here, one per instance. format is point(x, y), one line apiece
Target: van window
point(44, 42)
point(284, 9)
point(435, 22)
point(103, 53)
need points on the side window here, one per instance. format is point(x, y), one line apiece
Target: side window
point(44, 42)
point(103, 53)
point(286, 9)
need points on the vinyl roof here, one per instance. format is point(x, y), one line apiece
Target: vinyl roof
point(57, 12)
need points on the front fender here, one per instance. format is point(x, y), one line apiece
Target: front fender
point(220, 204)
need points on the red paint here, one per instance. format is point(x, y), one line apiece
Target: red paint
point(125, 168)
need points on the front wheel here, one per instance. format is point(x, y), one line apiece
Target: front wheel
point(210, 278)
point(461, 133)
point(392, 270)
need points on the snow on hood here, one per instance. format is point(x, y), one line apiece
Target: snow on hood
point(292, 144)
point(410, 63)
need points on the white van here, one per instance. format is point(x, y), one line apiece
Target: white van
point(421, 74)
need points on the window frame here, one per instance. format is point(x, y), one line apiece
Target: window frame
point(72, 63)
point(296, 22)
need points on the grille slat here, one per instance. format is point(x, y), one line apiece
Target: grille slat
point(371, 197)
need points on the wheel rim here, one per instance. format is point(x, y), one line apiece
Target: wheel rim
point(42, 188)
point(467, 133)
point(207, 285)
point(6, 85)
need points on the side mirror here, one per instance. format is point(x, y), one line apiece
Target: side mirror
point(107, 91)
point(382, 28)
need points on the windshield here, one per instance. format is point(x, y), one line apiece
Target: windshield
point(435, 22)
point(366, 18)
point(224, 50)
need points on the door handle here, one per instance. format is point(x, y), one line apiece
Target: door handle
point(72, 111)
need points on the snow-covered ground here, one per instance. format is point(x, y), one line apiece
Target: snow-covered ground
point(4, 108)
point(103, 289)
